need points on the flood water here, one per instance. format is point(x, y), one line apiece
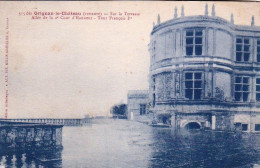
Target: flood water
point(128, 144)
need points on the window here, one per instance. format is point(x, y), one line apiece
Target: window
point(241, 88)
point(154, 87)
point(258, 50)
point(153, 50)
point(244, 127)
point(257, 127)
point(194, 42)
point(154, 83)
point(242, 49)
point(142, 109)
point(193, 85)
point(257, 88)
point(154, 99)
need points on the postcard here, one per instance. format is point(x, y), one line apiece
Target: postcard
point(112, 84)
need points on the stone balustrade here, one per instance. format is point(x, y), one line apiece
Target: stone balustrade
point(57, 121)
point(21, 135)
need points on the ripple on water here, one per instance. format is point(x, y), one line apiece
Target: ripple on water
point(127, 144)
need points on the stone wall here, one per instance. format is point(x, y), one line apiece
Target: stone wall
point(163, 86)
point(224, 122)
point(223, 86)
point(223, 41)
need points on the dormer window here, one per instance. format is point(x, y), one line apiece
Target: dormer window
point(194, 42)
point(242, 49)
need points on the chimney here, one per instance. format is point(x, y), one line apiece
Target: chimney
point(158, 19)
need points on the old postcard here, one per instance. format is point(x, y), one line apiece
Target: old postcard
point(129, 84)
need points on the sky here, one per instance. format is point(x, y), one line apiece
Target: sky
point(64, 68)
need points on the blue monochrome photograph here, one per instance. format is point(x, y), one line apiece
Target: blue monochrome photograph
point(148, 84)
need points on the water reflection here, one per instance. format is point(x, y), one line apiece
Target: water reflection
point(126, 144)
point(41, 157)
point(204, 149)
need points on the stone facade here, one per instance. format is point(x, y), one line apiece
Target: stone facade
point(137, 104)
point(205, 70)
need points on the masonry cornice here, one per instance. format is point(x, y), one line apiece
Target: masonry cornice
point(217, 63)
point(206, 21)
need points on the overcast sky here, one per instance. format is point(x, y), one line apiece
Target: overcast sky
point(68, 68)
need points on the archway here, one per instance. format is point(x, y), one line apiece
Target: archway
point(192, 126)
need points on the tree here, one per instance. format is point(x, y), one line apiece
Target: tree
point(119, 110)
